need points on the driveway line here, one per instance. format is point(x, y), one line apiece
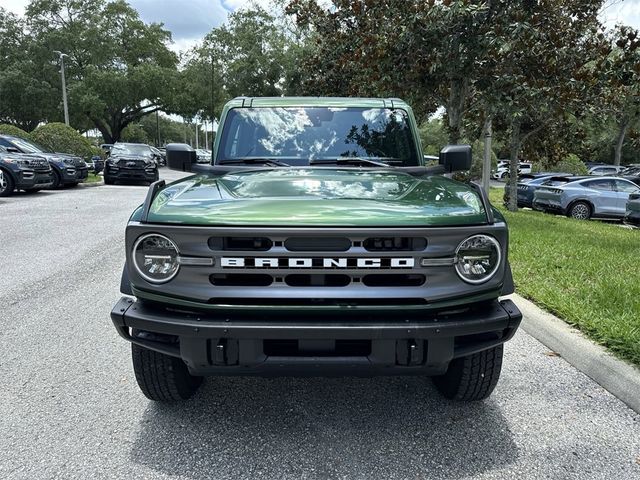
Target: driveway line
point(617, 376)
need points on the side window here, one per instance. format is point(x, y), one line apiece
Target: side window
point(4, 142)
point(626, 187)
point(599, 184)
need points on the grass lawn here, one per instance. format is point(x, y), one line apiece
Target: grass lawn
point(93, 178)
point(587, 273)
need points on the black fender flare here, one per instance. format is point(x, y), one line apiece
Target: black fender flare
point(125, 284)
point(507, 286)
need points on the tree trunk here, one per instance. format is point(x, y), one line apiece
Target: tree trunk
point(514, 150)
point(455, 108)
point(622, 132)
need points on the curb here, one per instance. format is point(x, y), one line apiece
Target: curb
point(92, 184)
point(616, 376)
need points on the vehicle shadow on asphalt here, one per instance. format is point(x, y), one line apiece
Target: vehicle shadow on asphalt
point(323, 428)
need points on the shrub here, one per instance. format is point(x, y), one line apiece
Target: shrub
point(6, 129)
point(59, 137)
point(569, 164)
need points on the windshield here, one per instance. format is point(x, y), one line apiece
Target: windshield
point(297, 135)
point(125, 149)
point(26, 146)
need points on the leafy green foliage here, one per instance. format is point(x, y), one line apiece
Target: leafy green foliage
point(6, 129)
point(250, 55)
point(433, 135)
point(584, 278)
point(118, 68)
point(569, 164)
point(58, 137)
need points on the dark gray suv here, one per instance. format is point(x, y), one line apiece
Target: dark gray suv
point(23, 172)
point(66, 169)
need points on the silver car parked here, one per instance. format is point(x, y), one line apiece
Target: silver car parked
point(604, 197)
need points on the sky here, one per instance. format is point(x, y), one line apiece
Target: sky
point(190, 20)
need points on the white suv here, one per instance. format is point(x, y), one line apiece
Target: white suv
point(502, 171)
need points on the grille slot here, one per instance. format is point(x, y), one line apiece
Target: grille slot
point(122, 163)
point(319, 280)
point(330, 302)
point(318, 244)
point(241, 280)
point(244, 244)
point(408, 280)
point(395, 244)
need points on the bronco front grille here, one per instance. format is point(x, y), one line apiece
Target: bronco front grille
point(323, 261)
point(307, 266)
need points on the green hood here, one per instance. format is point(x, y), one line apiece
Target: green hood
point(284, 197)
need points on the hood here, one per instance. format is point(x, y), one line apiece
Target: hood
point(317, 197)
point(60, 157)
point(129, 157)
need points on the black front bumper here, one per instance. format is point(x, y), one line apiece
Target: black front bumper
point(232, 344)
point(71, 174)
point(29, 180)
point(130, 174)
point(632, 218)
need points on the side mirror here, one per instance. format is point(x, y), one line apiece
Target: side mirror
point(13, 150)
point(456, 158)
point(181, 157)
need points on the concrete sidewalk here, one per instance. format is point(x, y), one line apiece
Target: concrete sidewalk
point(617, 376)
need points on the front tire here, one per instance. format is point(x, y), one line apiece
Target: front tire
point(6, 185)
point(108, 181)
point(57, 180)
point(580, 211)
point(472, 377)
point(162, 378)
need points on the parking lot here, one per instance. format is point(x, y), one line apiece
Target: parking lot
point(71, 408)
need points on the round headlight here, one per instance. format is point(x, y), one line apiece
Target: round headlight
point(478, 258)
point(155, 258)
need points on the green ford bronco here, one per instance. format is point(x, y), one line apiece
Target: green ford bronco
point(317, 242)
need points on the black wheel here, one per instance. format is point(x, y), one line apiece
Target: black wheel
point(472, 377)
point(580, 211)
point(6, 185)
point(162, 378)
point(157, 177)
point(57, 180)
point(108, 181)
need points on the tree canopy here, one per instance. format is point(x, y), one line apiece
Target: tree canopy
point(549, 78)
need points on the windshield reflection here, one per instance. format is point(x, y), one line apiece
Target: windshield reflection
point(297, 135)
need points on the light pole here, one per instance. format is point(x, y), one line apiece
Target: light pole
point(197, 128)
point(64, 86)
point(157, 130)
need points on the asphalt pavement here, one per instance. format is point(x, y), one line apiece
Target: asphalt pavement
point(70, 407)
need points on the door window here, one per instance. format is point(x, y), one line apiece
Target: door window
point(626, 187)
point(599, 184)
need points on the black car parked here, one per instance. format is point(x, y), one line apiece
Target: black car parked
point(67, 169)
point(131, 162)
point(23, 172)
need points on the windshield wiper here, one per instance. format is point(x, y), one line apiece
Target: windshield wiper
point(349, 161)
point(254, 161)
